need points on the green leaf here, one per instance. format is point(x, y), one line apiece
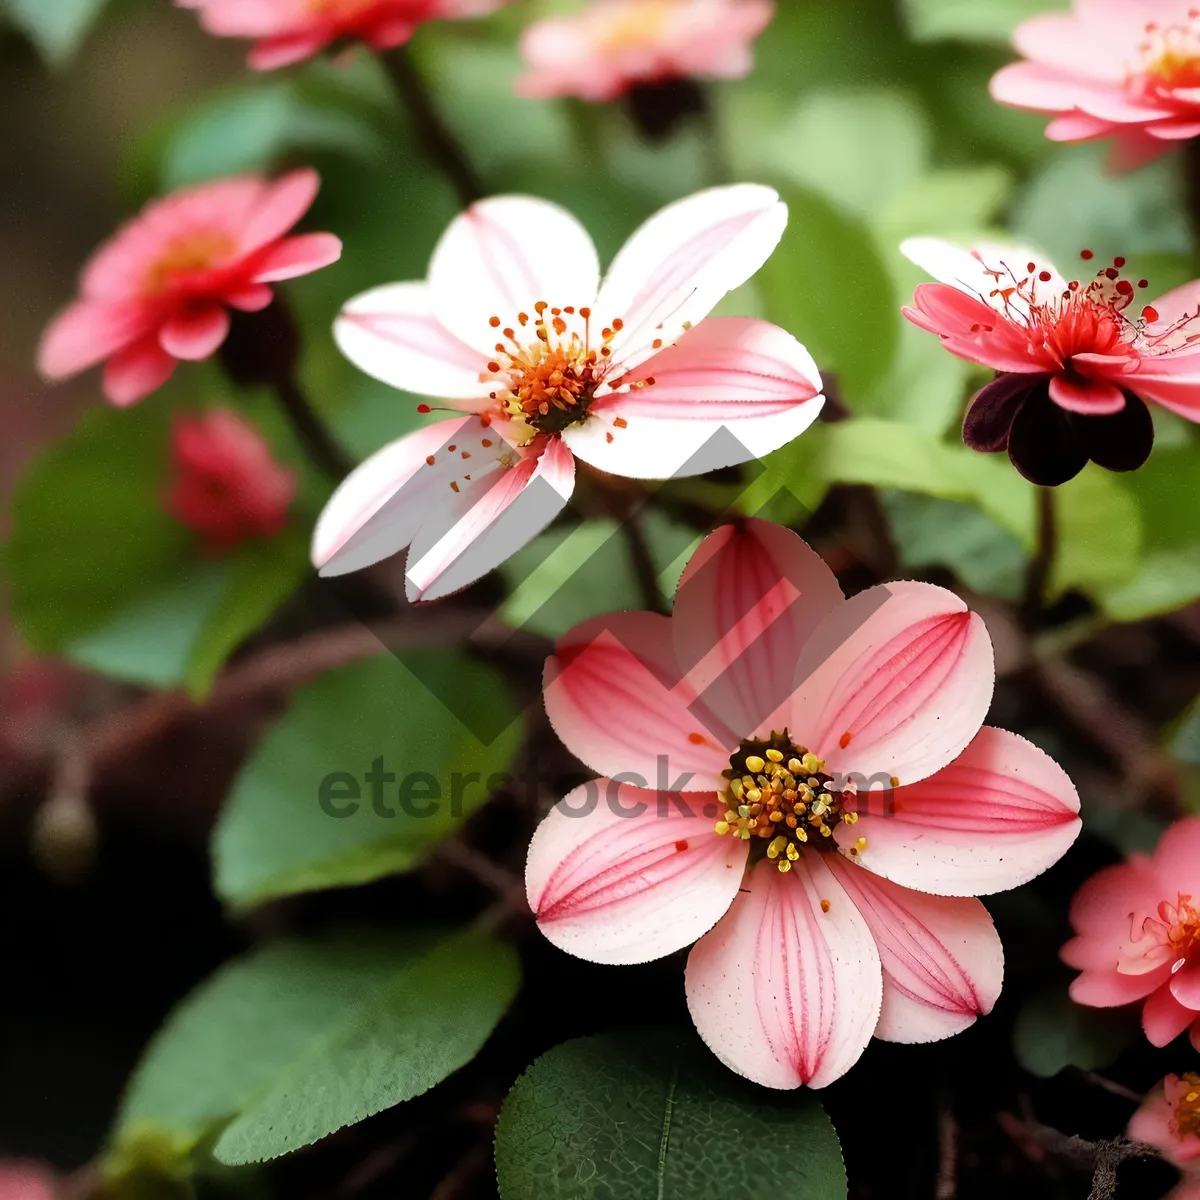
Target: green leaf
point(654, 1117)
point(280, 831)
point(968, 20)
point(1185, 738)
point(952, 203)
point(56, 27)
point(1099, 533)
point(1052, 1033)
point(827, 284)
point(294, 1041)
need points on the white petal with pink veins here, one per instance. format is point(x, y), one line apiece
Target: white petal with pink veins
point(391, 333)
point(620, 875)
point(787, 989)
point(503, 256)
point(1001, 813)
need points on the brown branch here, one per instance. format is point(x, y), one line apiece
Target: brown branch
point(1042, 564)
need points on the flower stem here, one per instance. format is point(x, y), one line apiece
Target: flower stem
point(642, 562)
point(1042, 563)
point(316, 439)
point(1191, 173)
point(434, 134)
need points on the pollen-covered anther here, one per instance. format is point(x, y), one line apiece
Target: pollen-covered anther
point(1187, 1112)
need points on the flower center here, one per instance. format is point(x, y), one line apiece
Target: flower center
point(1170, 55)
point(1171, 937)
point(339, 10)
point(781, 798)
point(634, 24)
point(200, 251)
point(1187, 1112)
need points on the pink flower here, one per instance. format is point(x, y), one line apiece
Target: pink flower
point(514, 327)
point(824, 803)
point(1169, 1118)
point(159, 290)
point(25, 1180)
point(614, 45)
point(224, 483)
point(1075, 361)
point(1138, 927)
point(289, 31)
point(1126, 69)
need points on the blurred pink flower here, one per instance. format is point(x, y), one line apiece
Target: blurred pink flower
point(289, 31)
point(825, 801)
point(224, 483)
point(514, 327)
point(1075, 361)
point(1138, 927)
point(158, 291)
point(25, 1181)
point(614, 44)
point(1169, 1118)
point(1125, 69)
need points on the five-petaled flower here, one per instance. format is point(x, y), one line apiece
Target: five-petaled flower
point(1122, 69)
point(514, 328)
point(1138, 927)
point(1169, 1119)
point(160, 290)
point(1075, 361)
point(290, 31)
point(224, 483)
point(615, 45)
point(803, 783)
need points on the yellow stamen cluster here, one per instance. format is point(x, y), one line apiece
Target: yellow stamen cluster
point(199, 251)
point(1171, 54)
point(1187, 1113)
point(781, 798)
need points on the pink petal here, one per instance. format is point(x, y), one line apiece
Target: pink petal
point(1107, 989)
point(1094, 397)
point(679, 264)
point(1164, 1018)
point(296, 256)
point(500, 258)
point(1174, 131)
point(749, 599)
point(1185, 987)
point(943, 964)
point(196, 333)
point(1079, 127)
point(987, 270)
point(783, 991)
point(280, 205)
point(253, 297)
point(620, 875)
point(1152, 1122)
point(973, 331)
point(732, 389)
point(1176, 306)
point(615, 697)
point(132, 374)
point(271, 53)
point(1177, 858)
point(1001, 813)
point(1044, 89)
point(488, 520)
point(893, 684)
point(1071, 45)
point(391, 333)
point(88, 332)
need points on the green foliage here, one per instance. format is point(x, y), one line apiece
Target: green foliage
point(654, 1117)
point(1052, 1033)
point(1099, 533)
point(275, 837)
point(968, 20)
point(56, 27)
point(292, 1042)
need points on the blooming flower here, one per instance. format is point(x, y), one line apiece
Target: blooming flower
point(825, 803)
point(1075, 361)
point(1127, 69)
point(159, 290)
point(1169, 1118)
point(21, 1180)
point(224, 483)
point(514, 328)
point(289, 31)
point(614, 45)
point(1138, 927)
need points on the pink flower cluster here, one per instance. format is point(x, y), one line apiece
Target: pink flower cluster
point(1169, 1119)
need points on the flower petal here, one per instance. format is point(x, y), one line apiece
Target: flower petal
point(487, 521)
point(894, 683)
point(1185, 987)
point(787, 989)
point(621, 875)
point(196, 333)
point(504, 255)
point(678, 265)
point(942, 960)
point(133, 373)
point(296, 256)
point(391, 333)
point(1092, 397)
point(280, 206)
point(1001, 813)
point(1164, 1018)
point(88, 332)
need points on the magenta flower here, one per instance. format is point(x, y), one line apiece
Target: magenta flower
point(1138, 927)
point(1125, 69)
point(1075, 361)
point(613, 45)
point(825, 801)
point(224, 483)
point(289, 31)
point(1169, 1119)
point(514, 327)
point(160, 290)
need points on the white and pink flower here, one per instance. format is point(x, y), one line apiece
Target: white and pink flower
point(514, 328)
point(160, 291)
point(290, 31)
point(1122, 69)
point(615, 45)
point(1076, 361)
point(803, 783)
point(1169, 1119)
